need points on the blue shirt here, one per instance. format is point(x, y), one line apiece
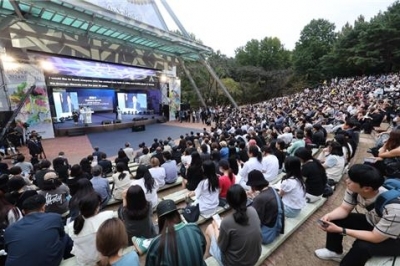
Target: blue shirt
point(129, 259)
point(36, 239)
point(102, 187)
point(171, 172)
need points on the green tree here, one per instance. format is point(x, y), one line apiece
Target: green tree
point(316, 40)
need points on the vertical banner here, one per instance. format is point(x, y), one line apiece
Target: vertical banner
point(36, 110)
point(174, 97)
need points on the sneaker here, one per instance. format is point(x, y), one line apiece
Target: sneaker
point(326, 254)
point(141, 244)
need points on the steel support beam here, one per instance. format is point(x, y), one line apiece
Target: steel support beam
point(196, 89)
point(214, 75)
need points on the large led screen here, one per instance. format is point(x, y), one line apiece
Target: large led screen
point(134, 102)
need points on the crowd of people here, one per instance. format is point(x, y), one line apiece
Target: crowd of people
point(234, 164)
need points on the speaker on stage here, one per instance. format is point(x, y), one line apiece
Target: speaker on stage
point(106, 122)
point(117, 121)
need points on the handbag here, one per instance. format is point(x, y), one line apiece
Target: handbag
point(191, 213)
point(269, 234)
point(392, 166)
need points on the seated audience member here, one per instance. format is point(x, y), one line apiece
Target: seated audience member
point(204, 154)
point(226, 180)
point(158, 154)
point(292, 188)
point(129, 151)
point(84, 228)
point(171, 173)
point(26, 167)
point(9, 214)
point(101, 185)
point(75, 174)
point(237, 240)
point(254, 163)
point(86, 166)
point(83, 188)
point(207, 191)
point(375, 235)
point(61, 166)
point(44, 168)
point(314, 174)
point(270, 164)
point(176, 155)
point(18, 191)
point(269, 207)
point(122, 181)
point(136, 213)
point(157, 172)
point(56, 194)
point(17, 171)
point(233, 159)
point(121, 157)
point(194, 172)
point(3, 168)
point(299, 142)
point(334, 163)
point(280, 153)
point(145, 158)
point(171, 246)
point(144, 179)
point(318, 137)
point(224, 151)
point(38, 238)
point(105, 164)
point(112, 243)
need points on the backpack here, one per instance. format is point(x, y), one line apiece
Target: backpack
point(387, 197)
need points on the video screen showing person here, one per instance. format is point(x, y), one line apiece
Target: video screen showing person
point(133, 102)
point(96, 99)
point(65, 103)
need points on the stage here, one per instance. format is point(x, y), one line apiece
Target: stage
point(106, 122)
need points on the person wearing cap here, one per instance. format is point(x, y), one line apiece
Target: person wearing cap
point(56, 194)
point(236, 240)
point(269, 207)
point(38, 238)
point(172, 246)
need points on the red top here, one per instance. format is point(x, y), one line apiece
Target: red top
point(224, 184)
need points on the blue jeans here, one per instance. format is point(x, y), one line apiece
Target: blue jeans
point(291, 213)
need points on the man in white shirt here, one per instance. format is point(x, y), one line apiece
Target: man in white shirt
point(286, 136)
point(270, 164)
point(129, 151)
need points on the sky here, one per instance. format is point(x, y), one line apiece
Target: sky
point(226, 25)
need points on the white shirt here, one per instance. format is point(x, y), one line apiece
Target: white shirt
point(250, 165)
point(158, 173)
point(84, 248)
point(150, 196)
point(270, 165)
point(295, 196)
point(334, 166)
point(121, 185)
point(130, 153)
point(208, 201)
point(286, 137)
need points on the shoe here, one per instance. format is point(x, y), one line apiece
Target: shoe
point(326, 254)
point(141, 244)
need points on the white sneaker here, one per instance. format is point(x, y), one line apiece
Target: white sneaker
point(326, 254)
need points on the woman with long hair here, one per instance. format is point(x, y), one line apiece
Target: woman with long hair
point(207, 191)
point(122, 180)
point(233, 159)
point(314, 174)
point(237, 239)
point(83, 188)
point(75, 174)
point(172, 246)
point(122, 157)
point(254, 163)
point(292, 188)
point(226, 180)
point(391, 149)
point(112, 243)
point(194, 172)
point(83, 230)
point(136, 213)
point(144, 179)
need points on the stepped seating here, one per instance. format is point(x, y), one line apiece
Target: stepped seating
point(291, 225)
point(383, 261)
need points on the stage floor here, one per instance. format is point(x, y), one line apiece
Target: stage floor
point(69, 128)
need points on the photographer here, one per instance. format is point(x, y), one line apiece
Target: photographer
point(35, 146)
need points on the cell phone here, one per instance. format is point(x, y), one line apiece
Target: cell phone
point(323, 223)
point(217, 219)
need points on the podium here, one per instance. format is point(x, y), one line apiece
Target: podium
point(87, 116)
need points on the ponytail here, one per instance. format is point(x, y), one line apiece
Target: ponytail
point(259, 156)
point(79, 222)
point(230, 174)
point(121, 176)
point(240, 216)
